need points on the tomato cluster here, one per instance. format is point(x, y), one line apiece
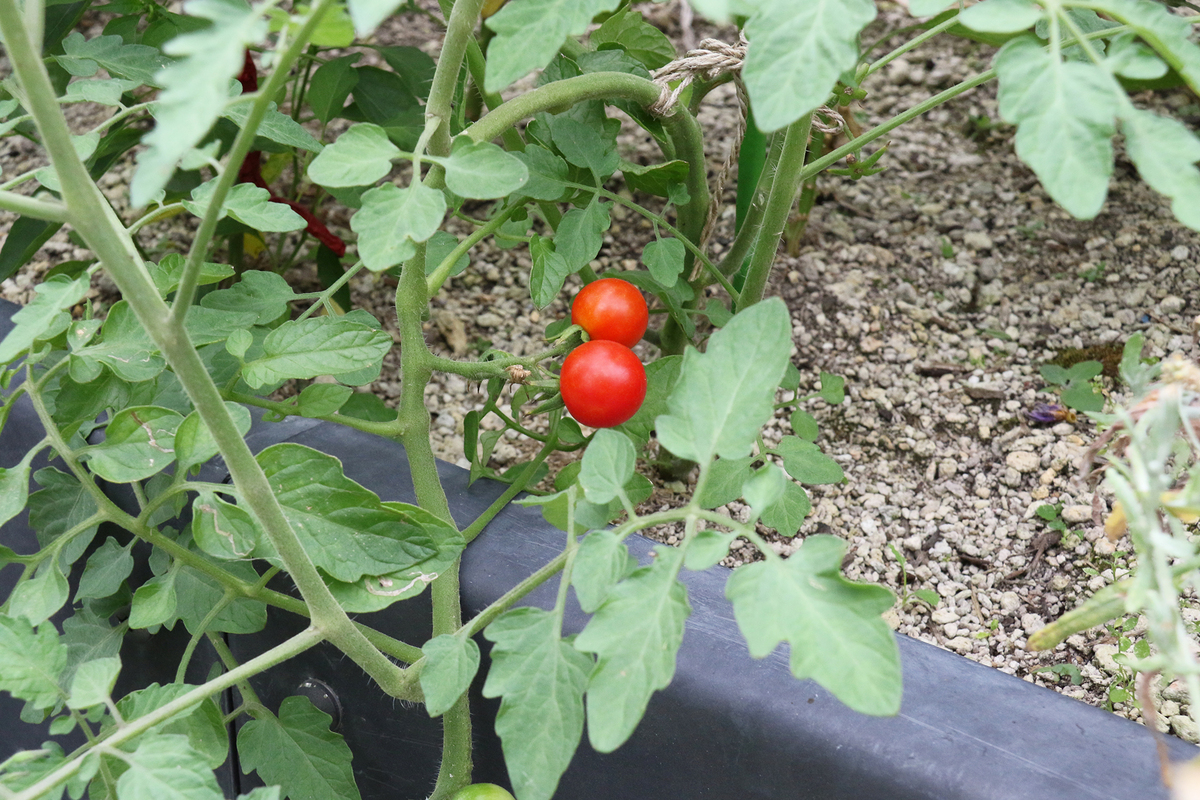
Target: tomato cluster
point(602, 382)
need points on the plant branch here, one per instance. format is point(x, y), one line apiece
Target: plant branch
point(49, 210)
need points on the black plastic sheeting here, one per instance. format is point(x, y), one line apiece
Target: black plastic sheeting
point(727, 727)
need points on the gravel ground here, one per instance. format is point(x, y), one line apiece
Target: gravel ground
point(936, 289)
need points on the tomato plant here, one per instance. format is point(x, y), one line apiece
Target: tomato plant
point(602, 383)
point(482, 791)
point(611, 309)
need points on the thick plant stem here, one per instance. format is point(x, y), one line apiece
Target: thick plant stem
point(776, 210)
point(49, 210)
point(105, 234)
point(460, 29)
point(276, 655)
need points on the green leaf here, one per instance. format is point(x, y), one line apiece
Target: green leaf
point(154, 602)
point(322, 399)
point(725, 395)
point(361, 156)
point(635, 634)
point(1131, 58)
point(549, 271)
point(1082, 397)
point(197, 594)
point(607, 466)
point(797, 51)
point(804, 425)
point(450, 665)
point(222, 529)
point(392, 219)
point(661, 376)
point(788, 513)
point(316, 346)
point(31, 662)
point(14, 486)
point(1052, 373)
point(724, 481)
point(601, 561)
point(298, 751)
point(1165, 152)
point(55, 509)
point(580, 234)
point(438, 248)
point(138, 443)
point(629, 31)
point(167, 768)
point(106, 570)
point(40, 597)
point(833, 388)
point(584, 146)
point(137, 62)
point(1001, 16)
point(833, 626)
point(380, 591)
point(50, 297)
point(275, 127)
point(547, 173)
point(805, 462)
point(195, 90)
point(1084, 371)
point(263, 293)
point(194, 444)
point(1064, 113)
point(529, 33)
point(659, 180)
point(330, 85)
point(126, 348)
point(201, 724)
point(93, 682)
point(707, 549)
point(765, 488)
point(367, 14)
point(927, 8)
point(541, 680)
point(482, 170)
point(168, 272)
point(664, 258)
point(88, 637)
point(1167, 33)
point(344, 527)
point(723, 10)
point(249, 204)
point(413, 66)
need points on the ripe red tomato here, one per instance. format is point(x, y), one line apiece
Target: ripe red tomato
point(482, 791)
point(603, 383)
point(611, 309)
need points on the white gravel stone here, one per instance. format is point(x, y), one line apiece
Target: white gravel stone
point(1077, 514)
point(1022, 461)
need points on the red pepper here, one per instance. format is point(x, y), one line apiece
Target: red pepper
point(251, 172)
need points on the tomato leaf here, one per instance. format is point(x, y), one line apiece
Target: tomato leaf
point(31, 661)
point(1001, 16)
point(664, 258)
point(607, 466)
point(265, 294)
point(834, 627)
point(805, 462)
point(540, 680)
point(316, 346)
point(547, 173)
point(167, 768)
point(601, 561)
point(550, 271)
point(138, 443)
point(392, 219)
point(450, 665)
point(330, 85)
point(249, 204)
point(788, 513)
point(529, 33)
point(725, 395)
point(482, 170)
point(298, 751)
point(1165, 152)
point(50, 297)
point(106, 569)
point(93, 682)
point(359, 157)
point(635, 633)
point(629, 31)
point(194, 444)
point(580, 234)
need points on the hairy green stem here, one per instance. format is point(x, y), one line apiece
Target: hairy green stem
point(460, 29)
point(442, 272)
point(276, 655)
point(49, 210)
point(241, 146)
point(776, 209)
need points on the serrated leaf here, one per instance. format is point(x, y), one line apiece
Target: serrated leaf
point(106, 569)
point(391, 220)
point(343, 526)
point(14, 486)
point(106, 92)
point(797, 51)
point(805, 425)
point(833, 626)
point(584, 146)
point(661, 376)
point(725, 395)
point(154, 602)
point(1165, 152)
point(707, 548)
point(359, 157)
point(805, 462)
point(529, 33)
point(482, 170)
point(93, 682)
point(1001, 16)
point(138, 443)
point(1167, 33)
point(450, 665)
point(31, 662)
point(126, 348)
point(59, 506)
point(136, 62)
point(197, 594)
point(659, 180)
point(601, 561)
point(580, 234)
point(167, 768)
point(628, 30)
point(316, 346)
point(438, 248)
point(194, 443)
point(266, 294)
point(169, 271)
point(764, 488)
point(788, 513)
point(724, 481)
point(50, 297)
point(298, 751)
point(540, 680)
point(322, 399)
point(607, 466)
point(330, 85)
point(1064, 113)
point(547, 173)
point(664, 258)
point(635, 634)
point(276, 127)
point(249, 204)
point(550, 271)
point(40, 597)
